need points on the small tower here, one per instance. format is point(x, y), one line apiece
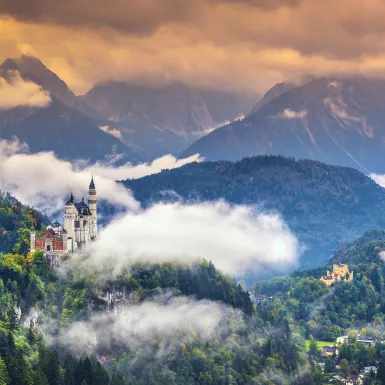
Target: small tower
point(92, 204)
point(32, 247)
point(69, 217)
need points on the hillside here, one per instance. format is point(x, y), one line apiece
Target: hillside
point(325, 206)
point(338, 121)
point(15, 222)
point(64, 130)
point(365, 250)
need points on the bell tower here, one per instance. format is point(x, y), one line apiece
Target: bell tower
point(92, 204)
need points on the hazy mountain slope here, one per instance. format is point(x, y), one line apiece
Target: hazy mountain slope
point(62, 129)
point(339, 121)
point(67, 126)
point(326, 206)
point(164, 119)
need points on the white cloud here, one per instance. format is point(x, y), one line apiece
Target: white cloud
point(112, 131)
point(129, 171)
point(19, 92)
point(208, 130)
point(379, 179)
point(172, 319)
point(43, 181)
point(236, 239)
point(291, 114)
point(339, 110)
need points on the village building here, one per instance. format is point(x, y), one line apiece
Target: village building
point(79, 229)
point(340, 273)
point(329, 351)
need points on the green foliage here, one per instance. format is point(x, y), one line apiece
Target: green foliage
point(15, 222)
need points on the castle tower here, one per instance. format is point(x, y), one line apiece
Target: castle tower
point(69, 218)
point(92, 204)
point(32, 247)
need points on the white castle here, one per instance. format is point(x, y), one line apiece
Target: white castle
point(79, 229)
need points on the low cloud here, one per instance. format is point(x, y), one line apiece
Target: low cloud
point(207, 131)
point(338, 110)
point(237, 240)
point(379, 179)
point(291, 114)
point(16, 92)
point(169, 319)
point(43, 181)
point(128, 171)
point(112, 131)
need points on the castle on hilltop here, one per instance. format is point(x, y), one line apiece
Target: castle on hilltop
point(340, 273)
point(79, 229)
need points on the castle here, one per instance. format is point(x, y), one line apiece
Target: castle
point(80, 227)
point(340, 273)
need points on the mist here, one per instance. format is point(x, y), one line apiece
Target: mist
point(166, 317)
point(237, 239)
point(45, 182)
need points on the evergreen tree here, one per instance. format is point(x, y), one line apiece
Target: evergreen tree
point(89, 375)
point(116, 380)
point(31, 333)
point(100, 374)
point(381, 372)
point(53, 369)
point(69, 367)
point(4, 377)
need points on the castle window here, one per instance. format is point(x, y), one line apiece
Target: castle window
point(48, 247)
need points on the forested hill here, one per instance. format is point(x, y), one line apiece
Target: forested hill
point(326, 206)
point(366, 249)
point(16, 220)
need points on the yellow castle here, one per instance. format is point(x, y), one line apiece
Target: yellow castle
point(340, 273)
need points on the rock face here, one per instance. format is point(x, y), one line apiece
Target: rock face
point(338, 121)
point(164, 119)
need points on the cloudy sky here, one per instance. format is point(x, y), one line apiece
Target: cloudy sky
point(231, 44)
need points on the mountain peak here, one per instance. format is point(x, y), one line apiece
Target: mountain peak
point(9, 65)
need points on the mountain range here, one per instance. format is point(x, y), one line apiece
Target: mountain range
point(334, 120)
point(165, 119)
point(325, 206)
point(139, 122)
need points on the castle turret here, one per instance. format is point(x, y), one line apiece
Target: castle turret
point(92, 204)
point(32, 247)
point(69, 217)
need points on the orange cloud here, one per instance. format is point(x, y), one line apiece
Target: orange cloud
point(16, 92)
point(233, 44)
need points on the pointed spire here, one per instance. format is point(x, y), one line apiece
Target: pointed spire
point(92, 184)
point(71, 200)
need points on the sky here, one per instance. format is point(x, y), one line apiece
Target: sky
point(236, 45)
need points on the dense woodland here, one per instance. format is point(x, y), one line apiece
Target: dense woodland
point(325, 206)
point(263, 345)
point(15, 222)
